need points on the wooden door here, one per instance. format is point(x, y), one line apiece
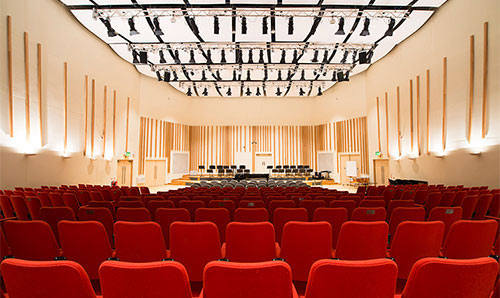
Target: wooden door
point(149, 172)
point(124, 172)
point(161, 167)
point(381, 171)
point(344, 179)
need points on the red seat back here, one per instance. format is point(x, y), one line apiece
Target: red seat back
point(362, 240)
point(349, 205)
point(133, 214)
point(335, 217)
point(250, 242)
point(284, 215)
point(31, 240)
point(139, 242)
point(402, 214)
point(101, 215)
point(219, 216)
point(251, 215)
point(369, 214)
point(470, 239)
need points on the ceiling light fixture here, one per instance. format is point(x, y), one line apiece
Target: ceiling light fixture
point(243, 25)
point(216, 25)
point(279, 75)
point(157, 29)
point(283, 56)
point(258, 92)
point(135, 57)
point(248, 75)
point(191, 59)
point(250, 56)
point(158, 75)
point(223, 56)
point(248, 93)
point(189, 93)
point(344, 59)
point(295, 57)
point(162, 57)
point(278, 92)
point(209, 56)
point(301, 92)
point(325, 57)
point(166, 76)
point(319, 91)
point(341, 31)
point(390, 29)
point(205, 92)
point(203, 76)
point(366, 26)
point(261, 56)
point(229, 93)
point(111, 31)
point(175, 76)
point(303, 75)
point(131, 24)
point(315, 57)
point(290, 26)
point(264, 25)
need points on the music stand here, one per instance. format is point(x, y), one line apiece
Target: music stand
point(202, 168)
point(270, 168)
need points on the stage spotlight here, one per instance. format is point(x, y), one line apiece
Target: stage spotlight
point(175, 76)
point(166, 76)
point(217, 74)
point(229, 93)
point(334, 76)
point(283, 56)
point(325, 57)
point(162, 57)
point(301, 92)
point(290, 26)
point(143, 57)
point(346, 76)
point(223, 56)
point(319, 91)
point(248, 75)
point(265, 75)
point(344, 59)
point(250, 56)
point(303, 75)
point(278, 92)
point(315, 57)
point(158, 75)
point(261, 56)
point(191, 59)
point(157, 30)
point(216, 25)
point(135, 57)
point(192, 24)
point(203, 76)
point(279, 75)
point(295, 57)
point(239, 56)
point(341, 31)
point(365, 57)
point(209, 56)
point(205, 92)
point(243, 25)
point(111, 31)
point(340, 76)
point(258, 92)
point(189, 93)
point(234, 75)
point(131, 24)
point(264, 25)
point(248, 93)
point(390, 29)
point(366, 26)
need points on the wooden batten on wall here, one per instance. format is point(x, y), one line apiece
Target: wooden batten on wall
point(471, 85)
point(399, 121)
point(65, 107)
point(27, 86)
point(11, 80)
point(443, 136)
point(387, 125)
point(378, 125)
point(418, 114)
point(485, 80)
point(114, 123)
point(105, 118)
point(428, 97)
point(412, 142)
point(85, 124)
point(92, 120)
point(40, 88)
point(126, 129)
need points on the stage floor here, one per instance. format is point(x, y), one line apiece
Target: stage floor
point(155, 189)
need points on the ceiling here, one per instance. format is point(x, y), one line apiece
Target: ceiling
point(262, 47)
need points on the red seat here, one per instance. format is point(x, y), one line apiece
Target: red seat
point(311, 206)
point(402, 214)
point(448, 215)
point(251, 214)
point(155, 279)
point(447, 199)
point(341, 279)
point(205, 199)
point(101, 215)
point(144, 190)
point(468, 205)
point(139, 242)
point(369, 214)
point(219, 216)
point(303, 244)
point(372, 203)
point(227, 204)
point(459, 198)
point(20, 207)
point(70, 200)
point(166, 216)
point(440, 278)
point(191, 206)
point(421, 196)
point(54, 279)
point(413, 241)
point(31, 240)
point(251, 204)
point(34, 206)
point(177, 199)
point(362, 240)
point(56, 199)
point(194, 244)
point(84, 197)
point(470, 239)
point(494, 209)
point(131, 204)
point(252, 280)
point(335, 217)
point(279, 203)
point(408, 195)
point(250, 242)
point(284, 215)
point(44, 199)
point(156, 204)
point(133, 214)
point(483, 203)
point(6, 206)
point(85, 242)
point(398, 203)
point(349, 205)
point(104, 204)
point(356, 198)
point(53, 215)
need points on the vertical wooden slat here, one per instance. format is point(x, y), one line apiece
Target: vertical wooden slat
point(114, 123)
point(92, 119)
point(86, 114)
point(471, 84)
point(485, 79)
point(399, 121)
point(411, 116)
point(105, 122)
point(126, 130)
point(378, 124)
point(443, 136)
point(418, 114)
point(156, 138)
point(40, 97)
point(27, 85)
point(11, 81)
point(428, 97)
point(65, 107)
point(387, 125)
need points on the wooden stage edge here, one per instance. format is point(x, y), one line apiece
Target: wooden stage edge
point(187, 180)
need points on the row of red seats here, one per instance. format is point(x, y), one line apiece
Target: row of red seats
point(196, 244)
point(430, 278)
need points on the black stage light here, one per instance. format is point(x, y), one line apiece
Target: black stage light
point(209, 56)
point(303, 75)
point(366, 26)
point(390, 29)
point(162, 57)
point(301, 92)
point(315, 57)
point(248, 75)
point(283, 56)
point(175, 76)
point(243, 25)
point(216, 25)
point(111, 31)
point(279, 75)
point(166, 76)
point(248, 93)
point(319, 91)
point(265, 74)
point(229, 93)
point(203, 76)
point(191, 55)
point(278, 92)
point(205, 92)
point(135, 57)
point(264, 25)
point(325, 57)
point(261, 56)
point(341, 31)
point(189, 93)
point(295, 57)
point(234, 75)
point(250, 56)
point(334, 76)
point(223, 56)
point(290, 26)
point(143, 57)
point(131, 24)
point(157, 29)
point(258, 92)
point(344, 59)
point(158, 75)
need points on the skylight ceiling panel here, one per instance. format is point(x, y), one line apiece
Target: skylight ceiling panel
point(432, 3)
point(417, 19)
point(176, 32)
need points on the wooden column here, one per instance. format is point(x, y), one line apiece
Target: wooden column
point(387, 125)
point(378, 125)
point(428, 97)
point(105, 124)
point(86, 114)
point(418, 114)
point(27, 85)
point(126, 132)
point(40, 97)
point(411, 116)
point(471, 84)
point(11, 82)
point(443, 137)
point(399, 122)
point(114, 123)
point(65, 107)
point(485, 79)
point(92, 119)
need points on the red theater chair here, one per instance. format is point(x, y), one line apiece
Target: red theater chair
point(250, 242)
point(335, 217)
point(362, 240)
point(133, 214)
point(139, 242)
point(369, 214)
point(219, 216)
point(251, 214)
point(284, 215)
point(31, 240)
point(469, 239)
point(166, 216)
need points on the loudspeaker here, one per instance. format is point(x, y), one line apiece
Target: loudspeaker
point(143, 57)
point(365, 58)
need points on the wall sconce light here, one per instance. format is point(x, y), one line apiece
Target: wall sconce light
point(475, 153)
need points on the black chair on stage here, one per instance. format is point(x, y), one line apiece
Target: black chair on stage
point(246, 171)
point(300, 167)
point(239, 171)
point(233, 167)
point(242, 167)
point(286, 167)
point(278, 167)
point(201, 169)
point(293, 167)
